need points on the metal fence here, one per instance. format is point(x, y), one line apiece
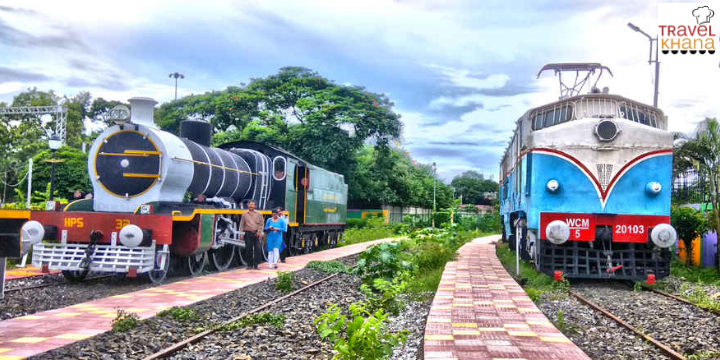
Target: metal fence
point(690, 188)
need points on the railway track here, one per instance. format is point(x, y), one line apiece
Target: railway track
point(661, 346)
point(51, 284)
point(668, 322)
point(176, 347)
point(715, 312)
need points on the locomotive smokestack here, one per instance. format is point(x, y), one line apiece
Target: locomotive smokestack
point(141, 111)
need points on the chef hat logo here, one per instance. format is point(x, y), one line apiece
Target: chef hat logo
point(703, 14)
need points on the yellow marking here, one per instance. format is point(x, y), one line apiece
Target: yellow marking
point(11, 357)
point(121, 154)
point(122, 296)
point(14, 214)
point(466, 332)
point(148, 295)
point(101, 312)
point(516, 326)
point(445, 289)
point(505, 306)
point(143, 152)
point(438, 320)
point(29, 340)
point(142, 176)
point(31, 317)
point(72, 336)
point(2, 350)
point(489, 329)
point(70, 203)
point(520, 298)
point(444, 296)
point(480, 286)
point(178, 216)
point(464, 325)
point(68, 314)
point(442, 307)
point(439, 337)
point(554, 339)
point(109, 316)
point(524, 310)
point(463, 299)
point(508, 359)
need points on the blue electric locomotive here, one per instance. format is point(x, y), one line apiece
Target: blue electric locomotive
point(585, 184)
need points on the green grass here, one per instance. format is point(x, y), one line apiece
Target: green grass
point(284, 281)
point(355, 236)
point(125, 321)
point(180, 313)
point(264, 318)
point(707, 276)
point(534, 279)
point(426, 281)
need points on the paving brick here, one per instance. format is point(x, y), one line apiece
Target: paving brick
point(488, 315)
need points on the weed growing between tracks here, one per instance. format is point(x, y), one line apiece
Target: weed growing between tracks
point(125, 321)
point(706, 276)
point(180, 313)
point(275, 320)
point(328, 267)
point(284, 281)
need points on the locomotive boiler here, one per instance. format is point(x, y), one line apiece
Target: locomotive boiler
point(160, 197)
point(585, 183)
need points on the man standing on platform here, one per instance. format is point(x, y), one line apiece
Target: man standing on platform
point(252, 224)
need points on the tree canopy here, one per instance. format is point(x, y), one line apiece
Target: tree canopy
point(472, 187)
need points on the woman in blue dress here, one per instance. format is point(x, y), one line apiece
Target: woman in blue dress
point(275, 227)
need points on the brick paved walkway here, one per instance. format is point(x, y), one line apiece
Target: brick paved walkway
point(40, 332)
point(480, 312)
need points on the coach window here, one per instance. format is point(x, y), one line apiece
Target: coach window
point(279, 168)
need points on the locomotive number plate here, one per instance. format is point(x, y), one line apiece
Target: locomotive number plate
point(582, 226)
point(631, 228)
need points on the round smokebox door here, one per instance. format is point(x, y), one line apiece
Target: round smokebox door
point(127, 163)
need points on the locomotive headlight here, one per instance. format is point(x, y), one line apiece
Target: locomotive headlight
point(653, 188)
point(557, 232)
point(131, 235)
point(32, 232)
point(663, 235)
point(552, 186)
point(120, 114)
point(606, 130)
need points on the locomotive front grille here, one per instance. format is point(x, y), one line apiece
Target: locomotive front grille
point(578, 260)
point(106, 258)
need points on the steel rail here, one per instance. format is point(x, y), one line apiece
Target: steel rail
point(191, 340)
point(675, 297)
point(663, 347)
point(40, 286)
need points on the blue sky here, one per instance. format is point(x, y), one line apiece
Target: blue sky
point(459, 72)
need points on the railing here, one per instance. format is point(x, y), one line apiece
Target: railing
point(593, 107)
point(690, 188)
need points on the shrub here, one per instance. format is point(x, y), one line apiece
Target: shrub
point(689, 224)
point(275, 320)
point(382, 261)
point(361, 336)
point(284, 281)
point(383, 294)
point(125, 321)
point(180, 314)
point(355, 223)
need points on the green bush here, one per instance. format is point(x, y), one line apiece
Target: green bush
point(383, 294)
point(441, 217)
point(689, 224)
point(124, 321)
point(284, 281)
point(356, 223)
point(362, 336)
point(490, 223)
point(180, 313)
point(384, 261)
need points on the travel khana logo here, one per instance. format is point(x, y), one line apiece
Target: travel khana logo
point(684, 38)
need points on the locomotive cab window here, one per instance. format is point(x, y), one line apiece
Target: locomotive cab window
point(554, 116)
point(279, 168)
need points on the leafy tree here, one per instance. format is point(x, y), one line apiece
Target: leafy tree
point(702, 152)
point(689, 224)
point(70, 175)
point(472, 187)
point(100, 109)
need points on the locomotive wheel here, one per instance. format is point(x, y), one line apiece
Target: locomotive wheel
point(332, 239)
point(75, 276)
point(242, 256)
point(158, 276)
point(222, 257)
point(264, 251)
point(294, 248)
point(196, 263)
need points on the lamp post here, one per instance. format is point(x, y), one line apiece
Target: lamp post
point(54, 143)
point(176, 75)
point(650, 60)
point(434, 167)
